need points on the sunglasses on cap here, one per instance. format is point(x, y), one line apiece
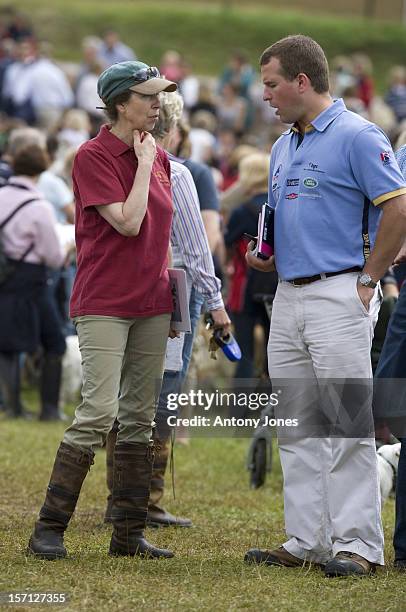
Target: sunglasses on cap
point(144, 74)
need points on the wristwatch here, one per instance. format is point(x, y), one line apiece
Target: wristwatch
point(365, 280)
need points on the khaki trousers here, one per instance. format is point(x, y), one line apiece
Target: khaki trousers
point(122, 363)
point(322, 332)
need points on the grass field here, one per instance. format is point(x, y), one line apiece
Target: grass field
point(207, 33)
point(207, 572)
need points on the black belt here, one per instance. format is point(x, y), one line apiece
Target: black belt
point(306, 280)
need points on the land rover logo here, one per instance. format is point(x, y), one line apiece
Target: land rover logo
point(309, 182)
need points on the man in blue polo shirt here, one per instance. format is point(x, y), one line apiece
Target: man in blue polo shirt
point(340, 219)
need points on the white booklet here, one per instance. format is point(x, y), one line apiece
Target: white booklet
point(173, 356)
point(180, 320)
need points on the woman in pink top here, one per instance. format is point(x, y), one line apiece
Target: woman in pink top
point(28, 318)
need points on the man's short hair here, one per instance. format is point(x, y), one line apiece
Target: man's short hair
point(298, 54)
point(30, 160)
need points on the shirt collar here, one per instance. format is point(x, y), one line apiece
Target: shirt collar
point(308, 128)
point(322, 121)
point(113, 144)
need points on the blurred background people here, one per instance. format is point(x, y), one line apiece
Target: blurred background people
point(28, 319)
point(112, 50)
point(241, 75)
point(248, 289)
point(171, 66)
point(232, 109)
point(395, 97)
point(90, 55)
point(362, 68)
point(203, 126)
point(35, 89)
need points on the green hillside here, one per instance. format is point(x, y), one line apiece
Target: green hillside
point(207, 33)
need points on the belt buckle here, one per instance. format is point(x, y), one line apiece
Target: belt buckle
point(295, 284)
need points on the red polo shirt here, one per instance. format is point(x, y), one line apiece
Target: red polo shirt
point(119, 275)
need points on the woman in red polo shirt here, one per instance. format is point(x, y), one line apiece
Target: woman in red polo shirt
point(121, 305)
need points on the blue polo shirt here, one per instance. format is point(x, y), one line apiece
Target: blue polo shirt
point(320, 187)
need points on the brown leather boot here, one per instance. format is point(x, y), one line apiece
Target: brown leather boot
point(69, 471)
point(132, 479)
point(110, 446)
point(279, 556)
point(347, 563)
point(158, 516)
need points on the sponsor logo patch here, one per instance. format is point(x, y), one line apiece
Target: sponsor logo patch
point(313, 168)
point(310, 182)
point(291, 196)
point(162, 177)
point(277, 172)
point(310, 194)
point(294, 182)
point(385, 158)
point(275, 177)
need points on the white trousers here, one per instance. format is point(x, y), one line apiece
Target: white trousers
point(320, 332)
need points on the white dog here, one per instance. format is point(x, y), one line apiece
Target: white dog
point(71, 372)
point(388, 460)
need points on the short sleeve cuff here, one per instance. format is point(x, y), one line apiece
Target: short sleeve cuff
point(388, 196)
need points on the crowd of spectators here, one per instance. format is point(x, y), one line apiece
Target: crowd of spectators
point(225, 125)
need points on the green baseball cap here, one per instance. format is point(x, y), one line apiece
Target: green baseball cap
point(137, 76)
